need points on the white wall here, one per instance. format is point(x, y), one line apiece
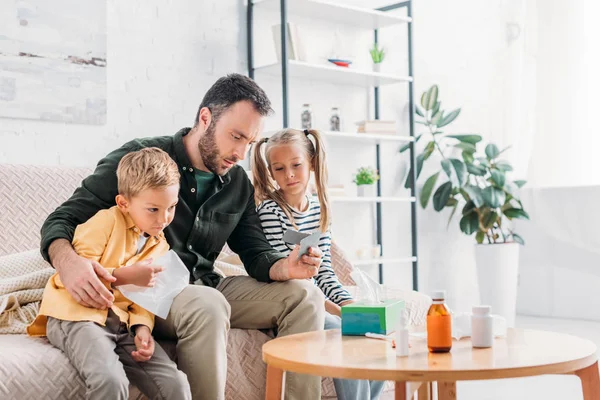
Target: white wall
point(162, 56)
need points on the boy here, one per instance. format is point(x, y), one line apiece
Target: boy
point(111, 347)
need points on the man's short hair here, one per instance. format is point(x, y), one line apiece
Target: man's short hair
point(230, 89)
point(148, 168)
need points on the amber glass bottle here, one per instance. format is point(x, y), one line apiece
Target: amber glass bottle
point(439, 325)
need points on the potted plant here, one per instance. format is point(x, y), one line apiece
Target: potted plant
point(377, 55)
point(477, 182)
point(365, 179)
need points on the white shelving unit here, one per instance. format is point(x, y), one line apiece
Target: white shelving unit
point(337, 13)
point(333, 74)
point(382, 260)
point(379, 199)
point(293, 70)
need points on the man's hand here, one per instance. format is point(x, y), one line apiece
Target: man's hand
point(142, 273)
point(144, 343)
point(293, 267)
point(81, 276)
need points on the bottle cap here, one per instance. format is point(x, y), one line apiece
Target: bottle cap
point(482, 310)
point(438, 295)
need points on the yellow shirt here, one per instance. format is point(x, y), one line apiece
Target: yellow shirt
point(110, 237)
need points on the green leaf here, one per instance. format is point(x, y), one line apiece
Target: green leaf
point(452, 215)
point(420, 159)
point(460, 169)
point(428, 189)
point(491, 151)
point(484, 161)
point(468, 208)
point(520, 183)
point(422, 122)
point(479, 237)
point(468, 157)
point(468, 147)
point(489, 219)
point(451, 202)
point(518, 239)
point(435, 120)
point(419, 112)
point(441, 195)
point(493, 197)
point(504, 166)
point(475, 169)
point(431, 98)
point(518, 213)
point(475, 194)
point(449, 118)
point(407, 145)
point(473, 139)
point(469, 223)
point(436, 108)
point(447, 166)
point(428, 150)
point(498, 177)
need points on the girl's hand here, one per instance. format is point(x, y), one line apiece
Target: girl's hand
point(144, 343)
point(333, 308)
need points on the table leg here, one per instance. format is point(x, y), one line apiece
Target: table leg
point(400, 391)
point(425, 391)
point(274, 383)
point(590, 382)
point(447, 390)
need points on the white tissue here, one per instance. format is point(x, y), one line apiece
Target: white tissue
point(371, 291)
point(169, 283)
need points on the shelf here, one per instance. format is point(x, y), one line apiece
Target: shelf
point(383, 199)
point(383, 260)
point(333, 74)
point(369, 136)
point(338, 13)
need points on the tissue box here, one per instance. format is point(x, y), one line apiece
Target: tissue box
point(360, 317)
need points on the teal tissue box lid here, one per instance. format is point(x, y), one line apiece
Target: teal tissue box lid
point(359, 318)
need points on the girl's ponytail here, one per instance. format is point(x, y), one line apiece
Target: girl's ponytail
point(319, 164)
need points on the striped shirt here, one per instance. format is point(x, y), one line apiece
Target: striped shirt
point(275, 223)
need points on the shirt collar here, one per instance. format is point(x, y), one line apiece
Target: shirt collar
point(183, 159)
point(131, 226)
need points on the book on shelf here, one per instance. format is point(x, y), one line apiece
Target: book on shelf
point(376, 126)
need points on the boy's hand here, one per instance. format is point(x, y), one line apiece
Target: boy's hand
point(142, 273)
point(144, 343)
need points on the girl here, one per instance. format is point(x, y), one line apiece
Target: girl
point(280, 187)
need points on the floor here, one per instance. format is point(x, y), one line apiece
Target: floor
point(543, 387)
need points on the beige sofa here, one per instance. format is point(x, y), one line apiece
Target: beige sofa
point(30, 368)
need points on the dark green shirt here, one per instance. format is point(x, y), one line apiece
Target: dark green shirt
point(204, 185)
point(198, 231)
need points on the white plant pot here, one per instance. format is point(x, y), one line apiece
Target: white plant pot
point(376, 67)
point(365, 190)
point(497, 275)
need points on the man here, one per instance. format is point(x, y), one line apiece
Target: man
point(216, 205)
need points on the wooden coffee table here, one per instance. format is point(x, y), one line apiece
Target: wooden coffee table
point(522, 353)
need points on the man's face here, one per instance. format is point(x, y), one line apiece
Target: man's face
point(228, 141)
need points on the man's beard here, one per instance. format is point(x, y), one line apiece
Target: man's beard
point(210, 153)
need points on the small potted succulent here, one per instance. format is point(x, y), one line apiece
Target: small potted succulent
point(377, 55)
point(365, 179)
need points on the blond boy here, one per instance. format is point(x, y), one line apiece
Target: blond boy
point(111, 347)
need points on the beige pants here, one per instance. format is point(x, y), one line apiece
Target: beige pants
point(102, 356)
point(200, 318)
